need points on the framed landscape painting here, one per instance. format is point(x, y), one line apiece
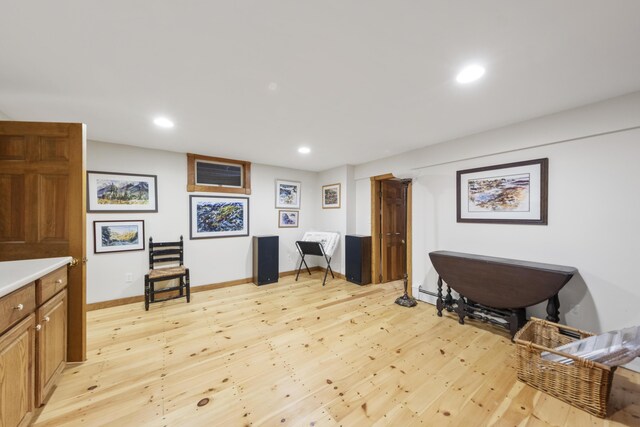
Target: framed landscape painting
point(216, 216)
point(288, 219)
point(512, 193)
point(118, 192)
point(118, 236)
point(331, 196)
point(288, 194)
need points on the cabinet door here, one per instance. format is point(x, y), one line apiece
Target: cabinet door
point(52, 344)
point(16, 374)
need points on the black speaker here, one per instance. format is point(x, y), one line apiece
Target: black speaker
point(358, 259)
point(265, 259)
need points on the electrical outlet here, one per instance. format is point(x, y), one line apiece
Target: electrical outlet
point(128, 277)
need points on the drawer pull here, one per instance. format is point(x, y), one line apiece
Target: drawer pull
point(38, 327)
point(59, 282)
point(46, 318)
point(19, 307)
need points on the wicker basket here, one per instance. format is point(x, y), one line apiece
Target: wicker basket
point(584, 384)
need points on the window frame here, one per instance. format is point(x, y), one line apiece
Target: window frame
point(193, 186)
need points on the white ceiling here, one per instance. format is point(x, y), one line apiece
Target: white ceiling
point(357, 80)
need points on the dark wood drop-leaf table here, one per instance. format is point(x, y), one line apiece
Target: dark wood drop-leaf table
point(498, 290)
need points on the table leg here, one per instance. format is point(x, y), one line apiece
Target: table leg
point(461, 309)
point(439, 301)
point(553, 309)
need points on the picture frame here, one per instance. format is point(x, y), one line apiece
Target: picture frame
point(288, 219)
point(115, 192)
point(510, 193)
point(118, 236)
point(331, 196)
point(288, 194)
point(218, 216)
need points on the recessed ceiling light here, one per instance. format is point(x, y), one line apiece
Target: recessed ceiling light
point(470, 73)
point(273, 86)
point(163, 122)
point(304, 150)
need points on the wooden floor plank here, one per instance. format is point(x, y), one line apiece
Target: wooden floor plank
point(300, 354)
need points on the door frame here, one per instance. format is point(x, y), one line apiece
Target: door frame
point(376, 185)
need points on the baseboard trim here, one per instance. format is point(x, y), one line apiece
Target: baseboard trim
point(202, 288)
point(114, 302)
point(335, 273)
point(293, 272)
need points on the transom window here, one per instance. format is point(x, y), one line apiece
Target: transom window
point(214, 174)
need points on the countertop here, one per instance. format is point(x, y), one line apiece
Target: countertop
point(16, 274)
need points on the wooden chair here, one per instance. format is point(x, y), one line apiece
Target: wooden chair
point(160, 254)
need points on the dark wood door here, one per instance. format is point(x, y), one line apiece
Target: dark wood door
point(42, 205)
point(392, 231)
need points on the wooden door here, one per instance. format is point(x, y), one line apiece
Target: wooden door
point(16, 371)
point(51, 339)
point(392, 230)
point(42, 205)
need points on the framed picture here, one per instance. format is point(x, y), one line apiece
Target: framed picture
point(512, 193)
point(287, 194)
point(216, 216)
point(331, 196)
point(119, 192)
point(118, 236)
point(288, 219)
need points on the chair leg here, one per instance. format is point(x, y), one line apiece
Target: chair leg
point(325, 276)
point(328, 259)
point(146, 292)
point(188, 285)
point(300, 268)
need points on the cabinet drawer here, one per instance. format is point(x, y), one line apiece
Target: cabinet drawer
point(16, 306)
point(49, 285)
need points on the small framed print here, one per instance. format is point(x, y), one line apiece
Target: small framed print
point(331, 196)
point(118, 192)
point(288, 219)
point(118, 236)
point(288, 194)
point(216, 216)
point(511, 193)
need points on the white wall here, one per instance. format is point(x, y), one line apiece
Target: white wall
point(334, 220)
point(593, 206)
point(209, 260)
point(3, 116)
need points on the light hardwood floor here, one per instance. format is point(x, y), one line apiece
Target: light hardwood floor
point(298, 354)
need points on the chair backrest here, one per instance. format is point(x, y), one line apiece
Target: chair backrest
point(165, 252)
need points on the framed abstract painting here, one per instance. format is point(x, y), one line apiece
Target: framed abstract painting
point(288, 194)
point(288, 219)
point(216, 216)
point(511, 193)
point(331, 196)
